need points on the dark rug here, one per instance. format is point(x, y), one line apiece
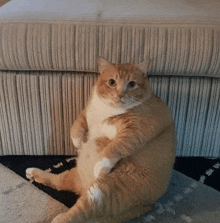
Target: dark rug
point(205, 170)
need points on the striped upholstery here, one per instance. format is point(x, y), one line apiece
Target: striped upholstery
point(195, 105)
point(175, 49)
point(48, 66)
point(43, 105)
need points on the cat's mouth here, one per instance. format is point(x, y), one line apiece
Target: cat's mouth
point(120, 103)
point(125, 103)
point(117, 103)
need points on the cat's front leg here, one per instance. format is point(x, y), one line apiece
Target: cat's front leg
point(104, 166)
point(79, 130)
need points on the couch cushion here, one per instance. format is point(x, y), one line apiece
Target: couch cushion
point(43, 106)
point(114, 9)
point(181, 37)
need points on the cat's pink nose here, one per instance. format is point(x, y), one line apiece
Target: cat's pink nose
point(119, 99)
point(121, 95)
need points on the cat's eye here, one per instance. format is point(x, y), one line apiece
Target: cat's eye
point(131, 84)
point(112, 82)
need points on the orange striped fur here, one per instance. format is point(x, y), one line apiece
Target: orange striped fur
point(126, 149)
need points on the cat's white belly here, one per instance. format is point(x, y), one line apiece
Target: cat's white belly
point(87, 159)
point(109, 130)
point(97, 115)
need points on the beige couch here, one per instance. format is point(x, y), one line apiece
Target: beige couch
point(48, 52)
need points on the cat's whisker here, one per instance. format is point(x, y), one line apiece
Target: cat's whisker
point(136, 100)
point(140, 101)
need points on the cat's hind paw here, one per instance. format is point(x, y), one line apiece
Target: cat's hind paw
point(33, 173)
point(95, 195)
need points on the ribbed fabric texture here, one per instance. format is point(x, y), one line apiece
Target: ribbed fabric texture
point(195, 105)
point(175, 47)
point(37, 110)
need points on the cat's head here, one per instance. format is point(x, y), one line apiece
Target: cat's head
point(122, 85)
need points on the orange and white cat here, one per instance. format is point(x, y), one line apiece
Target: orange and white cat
point(125, 140)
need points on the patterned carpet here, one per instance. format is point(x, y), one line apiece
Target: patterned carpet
point(201, 169)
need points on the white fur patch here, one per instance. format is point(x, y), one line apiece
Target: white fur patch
point(95, 195)
point(30, 174)
point(103, 109)
point(76, 142)
point(109, 130)
point(97, 113)
point(105, 164)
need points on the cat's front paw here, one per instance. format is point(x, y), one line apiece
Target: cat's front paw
point(62, 218)
point(104, 166)
point(100, 169)
point(77, 142)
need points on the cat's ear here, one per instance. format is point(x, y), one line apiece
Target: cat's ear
point(102, 63)
point(144, 66)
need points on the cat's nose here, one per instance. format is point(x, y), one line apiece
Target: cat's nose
point(119, 98)
point(120, 94)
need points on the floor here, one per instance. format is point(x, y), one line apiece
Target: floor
point(204, 170)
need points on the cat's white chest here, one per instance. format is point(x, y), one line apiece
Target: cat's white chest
point(108, 130)
point(97, 113)
point(99, 129)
